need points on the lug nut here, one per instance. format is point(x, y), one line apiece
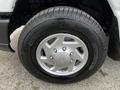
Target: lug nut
point(71, 60)
point(64, 48)
point(71, 54)
point(51, 58)
point(55, 50)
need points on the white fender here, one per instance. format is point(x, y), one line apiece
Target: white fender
point(115, 5)
point(7, 5)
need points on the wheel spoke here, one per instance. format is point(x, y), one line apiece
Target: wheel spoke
point(46, 60)
point(47, 49)
point(54, 69)
point(72, 44)
point(77, 56)
point(59, 41)
point(71, 66)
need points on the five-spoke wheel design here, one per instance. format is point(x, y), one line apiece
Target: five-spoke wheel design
point(62, 54)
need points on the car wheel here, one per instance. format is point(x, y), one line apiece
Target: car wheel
point(62, 45)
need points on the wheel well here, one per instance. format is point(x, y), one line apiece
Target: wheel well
point(26, 9)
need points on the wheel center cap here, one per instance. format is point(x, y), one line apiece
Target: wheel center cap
point(62, 58)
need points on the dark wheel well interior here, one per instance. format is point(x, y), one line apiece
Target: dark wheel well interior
point(26, 9)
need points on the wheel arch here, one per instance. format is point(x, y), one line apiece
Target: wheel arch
point(25, 9)
point(99, 9)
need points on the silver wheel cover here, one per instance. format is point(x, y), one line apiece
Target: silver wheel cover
point(62, 54)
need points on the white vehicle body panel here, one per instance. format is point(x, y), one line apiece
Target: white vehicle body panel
point(8, 6)
point(115, 5)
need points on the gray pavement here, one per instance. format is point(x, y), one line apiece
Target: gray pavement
point(13, 76)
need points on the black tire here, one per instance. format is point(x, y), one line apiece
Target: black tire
point(62, 20)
